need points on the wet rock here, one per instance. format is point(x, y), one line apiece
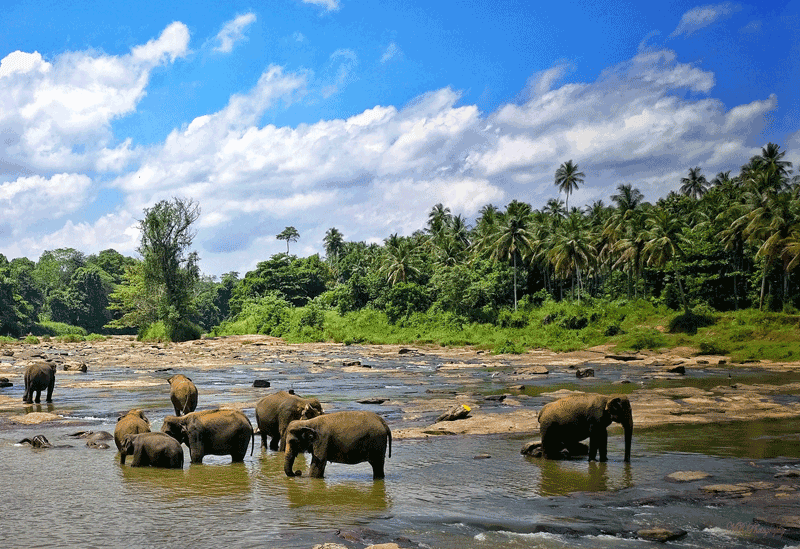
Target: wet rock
point(261, 383)
point(688, 476)
point(677, 370)
point(331, 546)
point(624, 357)
point(728, 489)
point(794, 473)
point(586, 372)
point(407, 351)
point(788, 525)
point(459, 411)
point(517, 388)
point(482, 456)
point(622, 382)
point(374, 400)
point(347, 363)
point(661, 535)
point(5, 383)
point(532, 370)
point(495, 398)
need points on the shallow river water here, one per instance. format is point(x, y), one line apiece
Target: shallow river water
point(442, 492)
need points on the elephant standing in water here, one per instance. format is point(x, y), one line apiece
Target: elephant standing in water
point(275, 412)
point(153, 449)
point(39, 377)
point(183, 394)
point(216, 432)
point(565, 422)
point(341, 437)
point(132, 423)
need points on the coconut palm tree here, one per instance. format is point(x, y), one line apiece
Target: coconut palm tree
point(695, 184)
point(289, 234)
point(334, 243)
point(400, 260)
point(664, 242)
point(568, 178)
point(571, 250)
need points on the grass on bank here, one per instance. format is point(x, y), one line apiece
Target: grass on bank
point(745, 336)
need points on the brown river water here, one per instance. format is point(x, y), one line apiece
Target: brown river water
point(440, 492)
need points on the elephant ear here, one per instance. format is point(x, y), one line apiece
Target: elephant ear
point(617, 406)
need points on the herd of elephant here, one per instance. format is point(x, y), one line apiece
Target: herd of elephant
point(291, 424)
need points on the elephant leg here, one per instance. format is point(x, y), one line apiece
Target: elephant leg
point(598, 441)
point(277, 443)
point(197, 453)
point(377, 467)
point(552, 445)
point(38, 398)
point(317, 469)
point(50, 392)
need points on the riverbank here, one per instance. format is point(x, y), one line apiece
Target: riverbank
point(677, 386)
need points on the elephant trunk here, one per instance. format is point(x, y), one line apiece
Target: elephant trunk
point(627, 425)
point(289, 463)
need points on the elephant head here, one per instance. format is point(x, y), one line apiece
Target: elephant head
point(126, 448)
point(619, 411)
point(299, 439)
point(136, 413)
point(312, 409)
point(176, 428)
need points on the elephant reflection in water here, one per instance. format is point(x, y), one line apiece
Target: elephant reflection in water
point(219, 478)
point(321, 493)
point(560, 478)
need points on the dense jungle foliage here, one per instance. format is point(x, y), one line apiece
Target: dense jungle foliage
point(636, 272)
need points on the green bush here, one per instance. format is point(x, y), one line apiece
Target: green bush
point(96, 337)
point(56, 329)
point(689, 323)
point(156, 332)
point(508, 347)
point(711, 348)
point(71, 338)
point(32, 339)
point(644, 338)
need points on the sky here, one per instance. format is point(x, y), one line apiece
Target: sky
point(362, 116)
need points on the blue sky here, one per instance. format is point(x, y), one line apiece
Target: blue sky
point(362, 116)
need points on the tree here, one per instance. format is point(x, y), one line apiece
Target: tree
point(571, 250)
point(664, 241)
point(568, 178)
point(169, 270)
point(694, 184)
point(401, 259)
point(334, 244)
point(289, 234)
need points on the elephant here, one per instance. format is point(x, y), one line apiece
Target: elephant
point(155, 449)
point(342, 437)
point(565, 422)
point(183, 394)
point(275, 412)
point(94, 439)
point(132, 423)
point(217, 432)
point(39, 377)
point(38, 441)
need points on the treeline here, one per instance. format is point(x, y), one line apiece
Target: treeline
point(727, 243)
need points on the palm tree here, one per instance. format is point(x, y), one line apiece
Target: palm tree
point(571, 250)
point(695, 184)
point(289, 234)
point(438, 218)
point(401, 259)
point(664, 239)
point(568, 178)
point(721, 178)
point(334, 243)
point(511, 238)
point(623, 231)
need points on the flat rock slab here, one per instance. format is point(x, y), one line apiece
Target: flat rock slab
point(688, 476)
point(729, 489)
point(785, 522)
point(661, 535)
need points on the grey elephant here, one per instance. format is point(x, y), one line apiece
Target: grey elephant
point(342, 437)
point(132, 423)
point(216, 432)
point(39, 377)
point(94, 439)
point(569, 420)
point(152, 449)
point(183, 394)
point(275, 412)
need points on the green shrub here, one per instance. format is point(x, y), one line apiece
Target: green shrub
point(7, 339)
point(32, 339)
point(156, 332)
point(185, 331)
point(56, 329)
point(508, 318)
point(688, 323)
point(96, 337)
point(508, 347)
point(644, 338)
point(711, 348)
point(71, 338)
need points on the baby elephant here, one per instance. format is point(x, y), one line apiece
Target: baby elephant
point(342, 437)
point(39, 377)
point(183, 394)
point(275, 412)
point(132, 423)
point(565, 422)
point(153, 449)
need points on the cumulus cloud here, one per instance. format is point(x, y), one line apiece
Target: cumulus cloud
point(56, 115)
point(233, 32)
point(702, 16)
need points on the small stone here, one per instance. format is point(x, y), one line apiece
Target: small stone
point(687, 476)
point(460, 411)
point(788, 474)
point(347, 363)
point(661, 535)
point(261, 383)
point(482, 456)
point(5, 383)
point(587, 372)
point(730, 489)
point(498, 398)
point(677, 370)
point(374, 400)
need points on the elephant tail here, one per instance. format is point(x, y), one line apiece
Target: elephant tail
point(389, 432)
point(253, 443)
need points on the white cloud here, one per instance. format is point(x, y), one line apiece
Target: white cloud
point(392, 52)
point(702, 16)
point(233, 32)
point(28, 200)
point(330, 5)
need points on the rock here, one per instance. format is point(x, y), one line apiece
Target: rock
point(622, 382)
point(586, 372)
point(532, 448)
point(347, 363)
point(5, 383)
point(374, 400)
point(459, 411)
point(788, 474)
point(727, 489)
point(687, 476)
point(624, 357)
point(677, 370)
point(384, 546)
point(261, 383)
point(496, 398)
point(482, 456)
point(406, 351)
point(517, 388)
point(790, 524)
point(661, 535)
point(331, 546)
point(8, 352)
